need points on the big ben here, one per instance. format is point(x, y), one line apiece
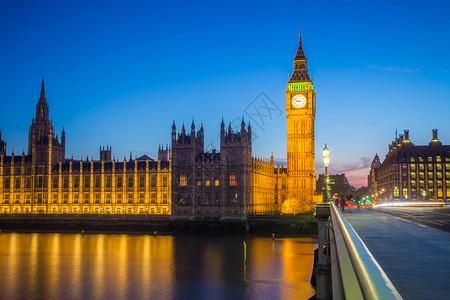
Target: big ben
point(300, 114)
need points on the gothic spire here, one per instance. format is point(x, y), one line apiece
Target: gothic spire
point(42, 89)
point(300, 54)
point(300, 73)
point(42, 107)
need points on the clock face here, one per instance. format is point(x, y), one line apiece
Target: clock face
point(299, 101)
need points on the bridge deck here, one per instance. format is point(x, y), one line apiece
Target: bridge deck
point(415, 257)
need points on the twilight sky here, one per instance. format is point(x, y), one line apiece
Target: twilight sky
point(118, 73)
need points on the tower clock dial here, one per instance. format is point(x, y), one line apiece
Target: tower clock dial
point(299, 101)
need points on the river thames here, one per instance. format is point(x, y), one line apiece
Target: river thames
point(127, 266)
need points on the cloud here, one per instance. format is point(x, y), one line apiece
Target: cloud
point(361, 163)
point(395, 69)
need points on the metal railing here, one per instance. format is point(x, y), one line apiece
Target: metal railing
point(355, 272)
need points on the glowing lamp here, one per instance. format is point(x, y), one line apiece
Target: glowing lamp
point(326, 156)
point(326, 162)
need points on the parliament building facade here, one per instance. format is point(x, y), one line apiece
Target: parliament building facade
point(185, 181)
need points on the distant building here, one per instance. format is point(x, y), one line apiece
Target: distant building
point(411, 172)
point(371, 182)
point(340, 184)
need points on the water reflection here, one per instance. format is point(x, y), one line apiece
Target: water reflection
point(97, 266)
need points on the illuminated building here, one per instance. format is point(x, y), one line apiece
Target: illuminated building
point(300, 114)
point(411, 172)
point(185, 181)
point(43, 181)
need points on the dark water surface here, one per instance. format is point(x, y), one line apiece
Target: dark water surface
point(124, 266)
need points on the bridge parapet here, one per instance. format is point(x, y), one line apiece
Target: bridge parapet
point(355, 273)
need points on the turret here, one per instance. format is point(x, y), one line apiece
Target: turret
point(192, 128)
point(222, 128)
point(2, 145)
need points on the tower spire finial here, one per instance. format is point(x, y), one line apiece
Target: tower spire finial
point(42, 89)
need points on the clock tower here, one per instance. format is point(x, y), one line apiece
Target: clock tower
point(300, 114)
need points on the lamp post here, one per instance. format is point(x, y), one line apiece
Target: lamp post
point(326, 162)
point(323, 267)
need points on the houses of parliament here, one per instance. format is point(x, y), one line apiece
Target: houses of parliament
point(184, 181)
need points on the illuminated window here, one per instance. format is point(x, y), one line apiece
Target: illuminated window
point(421, 167)
point(183, 180)
point(413, 167)
point(413, 175)
point(405, 193)
point(208, 182)
point(233, 181)
point(438, 158)
point(439, 175)
point(439, 192)
point(216, 182)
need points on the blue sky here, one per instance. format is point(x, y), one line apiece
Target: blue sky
point(118, 73)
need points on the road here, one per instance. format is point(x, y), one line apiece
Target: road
point(436, 217)
point(414, 257)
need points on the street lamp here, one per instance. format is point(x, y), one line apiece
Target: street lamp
point(326, 162)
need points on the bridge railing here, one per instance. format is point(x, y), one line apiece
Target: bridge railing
point(354, 271)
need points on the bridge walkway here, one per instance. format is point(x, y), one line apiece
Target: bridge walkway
point(415, 257)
